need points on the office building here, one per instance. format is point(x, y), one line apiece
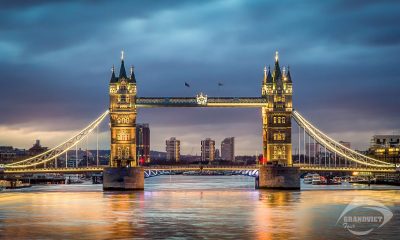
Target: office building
point(173, 149)
point(228, 149)
point(385, 148)
point(207, 150)
point(143, 143)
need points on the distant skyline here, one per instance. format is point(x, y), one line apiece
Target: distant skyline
point(55, 61)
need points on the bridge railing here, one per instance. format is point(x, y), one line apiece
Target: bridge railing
point(200, 167)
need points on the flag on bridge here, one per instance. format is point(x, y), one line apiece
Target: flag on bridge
point(187, 84)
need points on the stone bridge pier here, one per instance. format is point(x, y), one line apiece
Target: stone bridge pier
point(278, 177)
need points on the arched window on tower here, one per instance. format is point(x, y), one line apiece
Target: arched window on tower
point(119, 152)
point(123, 135)
point(127, 152)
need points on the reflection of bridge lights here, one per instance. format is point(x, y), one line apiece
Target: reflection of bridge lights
point(355, 173)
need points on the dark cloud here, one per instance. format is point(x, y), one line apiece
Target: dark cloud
point(55, 58)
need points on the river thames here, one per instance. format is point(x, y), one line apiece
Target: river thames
point(189, 207)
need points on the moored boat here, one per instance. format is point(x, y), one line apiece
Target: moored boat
point(316, 179)
point(308, 178)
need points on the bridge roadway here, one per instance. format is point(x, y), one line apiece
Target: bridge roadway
point(99, 169)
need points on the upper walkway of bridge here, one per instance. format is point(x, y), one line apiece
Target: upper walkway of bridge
point(200, 101)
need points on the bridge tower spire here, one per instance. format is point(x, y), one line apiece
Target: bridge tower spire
point(276, 116)
point(122, 71)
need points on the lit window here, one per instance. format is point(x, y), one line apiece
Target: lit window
point(127, 152)
point(123, 135)
point(119, 152)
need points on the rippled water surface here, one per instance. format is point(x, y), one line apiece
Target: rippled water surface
point(204, 207)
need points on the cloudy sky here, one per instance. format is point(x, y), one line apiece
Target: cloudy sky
point(56, 56)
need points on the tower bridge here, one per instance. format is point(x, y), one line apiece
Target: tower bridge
point(278, 168)
point(196, 167)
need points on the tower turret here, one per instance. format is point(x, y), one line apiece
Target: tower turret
point(288, 77)
point(132, 78)
point(113, 78)
point(267, 81)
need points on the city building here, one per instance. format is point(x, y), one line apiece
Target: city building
point(228, 149)
point(7, 154)
point(143, 143)
point(36, 149)
point(173, 149)
point(346, 144)
point(207, 150)
point(386, 148)
point(217, 155)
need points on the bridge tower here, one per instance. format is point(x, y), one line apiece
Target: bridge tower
point(123, 173)
point(276, 115)
point(276, 119)
point(123, 118)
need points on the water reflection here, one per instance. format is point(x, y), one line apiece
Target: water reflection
point(177, 207)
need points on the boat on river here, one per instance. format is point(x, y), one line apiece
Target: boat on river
point(308, 178)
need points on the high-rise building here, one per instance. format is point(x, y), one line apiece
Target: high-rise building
point(208, 150)
point(173, 148)
point(228, 149)
point(143, 143)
